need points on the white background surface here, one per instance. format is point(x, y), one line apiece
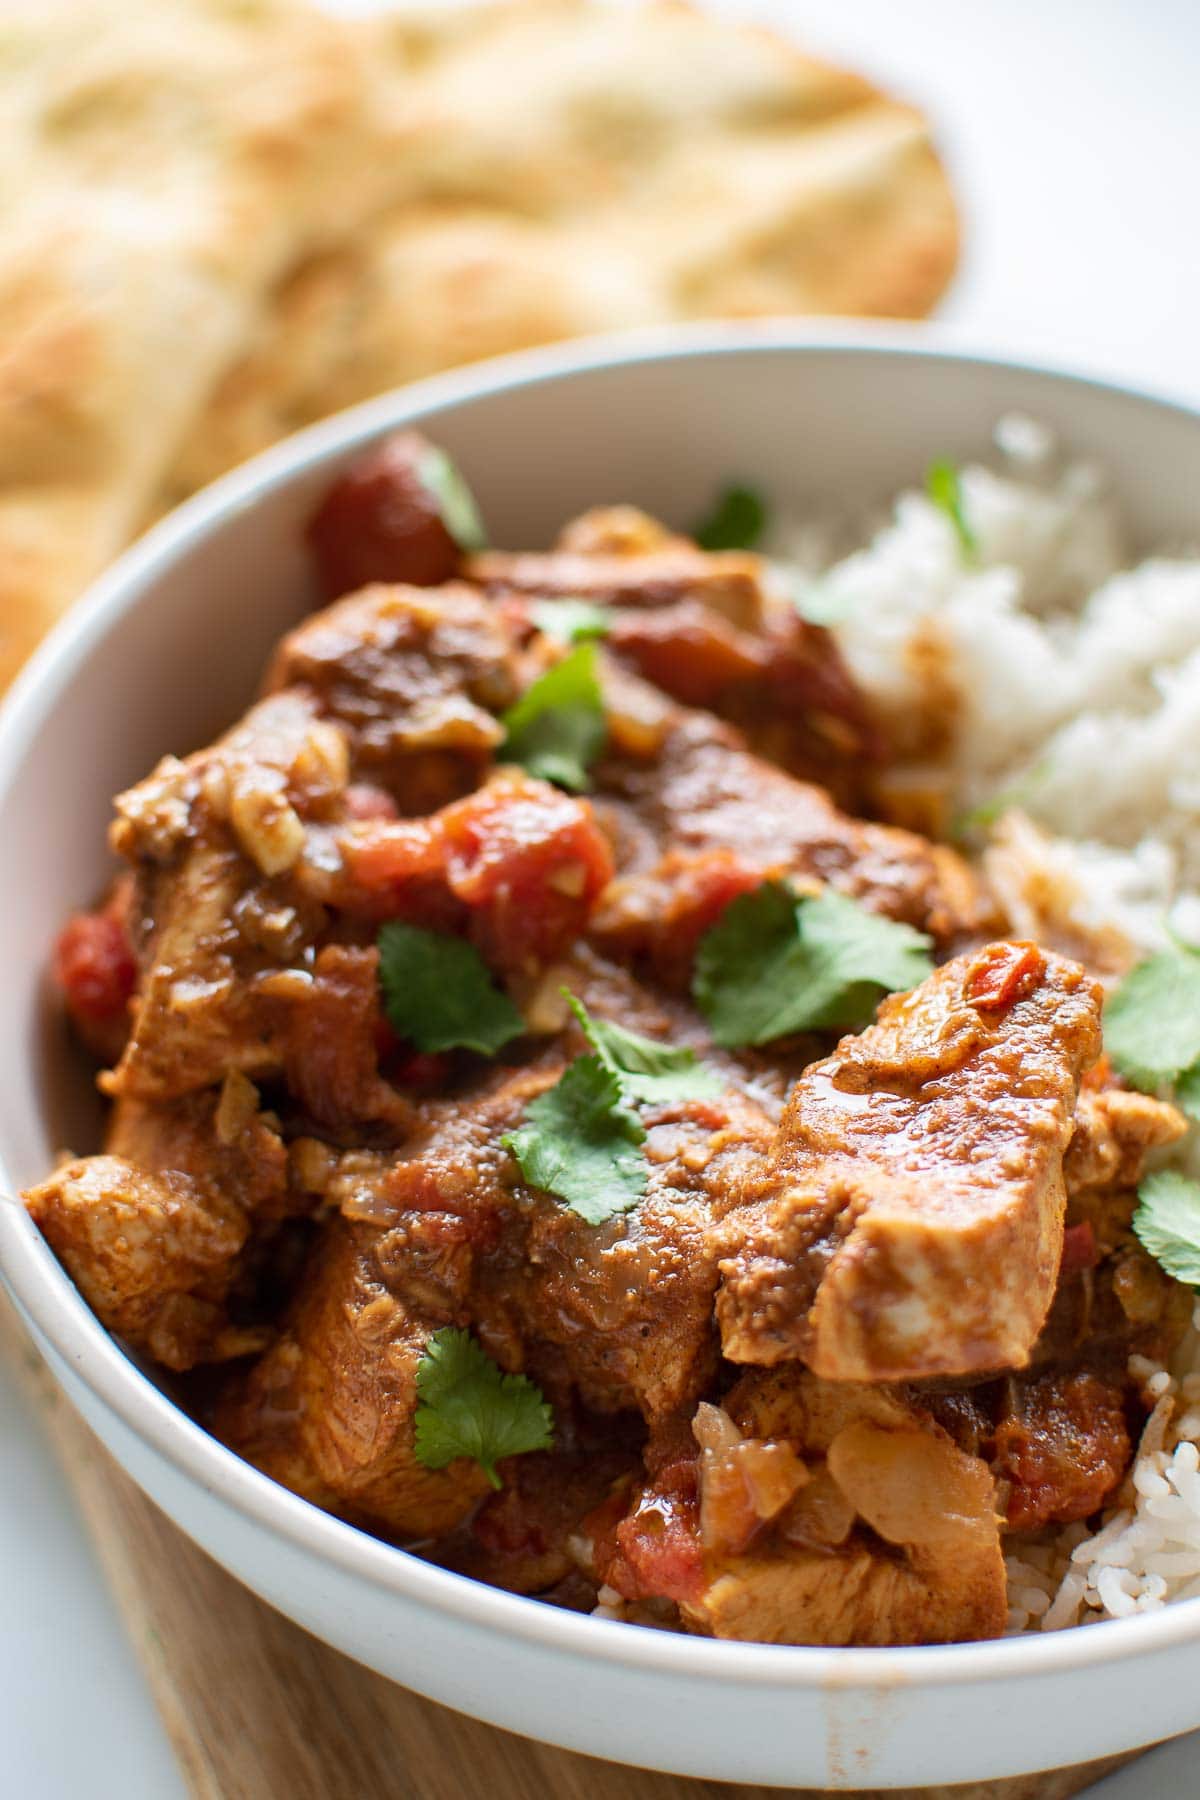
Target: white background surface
point(1073, 132)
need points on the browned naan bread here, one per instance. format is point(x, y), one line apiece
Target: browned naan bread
point(163, 162)
point(577, 169)
point(221, 219)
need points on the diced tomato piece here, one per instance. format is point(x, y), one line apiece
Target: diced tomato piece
point(517, 863)
point(658, 1554)
point(1099, 1076)
point(1080, 1250)
point(1064, 1450)
point(95, 967)
point(363, 800)
point(392, 853)
point(529, 861)
point(505, 1525)
point(438, 1204)
point(396, 869)
point(423, 1069)
point(695, 888)
point(1003, 974)
point(381, 522)
point(705, 885)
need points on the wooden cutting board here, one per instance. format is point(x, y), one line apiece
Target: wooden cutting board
point(258, 1710)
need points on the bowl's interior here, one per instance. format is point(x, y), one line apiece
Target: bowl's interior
point(171, 644)
point(175, 646)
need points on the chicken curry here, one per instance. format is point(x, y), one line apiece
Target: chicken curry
point(556, 1127)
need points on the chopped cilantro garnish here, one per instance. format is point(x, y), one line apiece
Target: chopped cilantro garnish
point(1152, 1021)
point(1167, 1222)
point(438, 994)
point(469, 1407)
point(456, 502)
point(943, 484)
point(1187, 1092)
point(556, 729)
point(990, 811)
point(646, 1069)
point(736, 522)
point(580, 1142)
point(571, 621)
point(777, 963)
point(819, 604)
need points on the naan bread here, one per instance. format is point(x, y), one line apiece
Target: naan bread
point(222, 219)
point(162, 162)
point(571, 169)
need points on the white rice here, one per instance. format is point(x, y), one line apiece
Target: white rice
point(1074, 688)
point(1077, 677)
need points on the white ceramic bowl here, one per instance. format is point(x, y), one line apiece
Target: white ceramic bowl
point(167, 647)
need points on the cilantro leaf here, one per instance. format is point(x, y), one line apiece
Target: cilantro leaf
point(989, 812)
point(556, 729)
point(943, 484)
point(736, 522)
point(581, 1143)
point(571, 621)
point(646, 1069)
point(580, 1140)
point(438, 994)
point(1187, 1092)
point(1167, 1222)
point(819, 604)
point(1152, 1021)
point(456, 502)
point(774, 964)
point(469, 1407)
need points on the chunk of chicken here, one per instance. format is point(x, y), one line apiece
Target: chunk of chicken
point(909, 1221)
point(151, 1255)
point(626, 1305)
point(216, 842)
point(708, 630)
point(238, 972)
point(630, 1302)
point(414, 676)
point(211, 1002)
point(329, 1409)
point(942, 1584)
point(1115, 1131)
point(699, 819)
point(158, 1232)
point(1113, 1299)
point(621, 1310)
point(785, 687)
point(221, 1139)
point(624, 559)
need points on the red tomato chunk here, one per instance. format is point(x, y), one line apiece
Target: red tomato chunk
point(525, 861)
point(381, 522)
point(95, 967)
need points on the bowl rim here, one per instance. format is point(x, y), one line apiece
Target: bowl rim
point(51, 1304)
